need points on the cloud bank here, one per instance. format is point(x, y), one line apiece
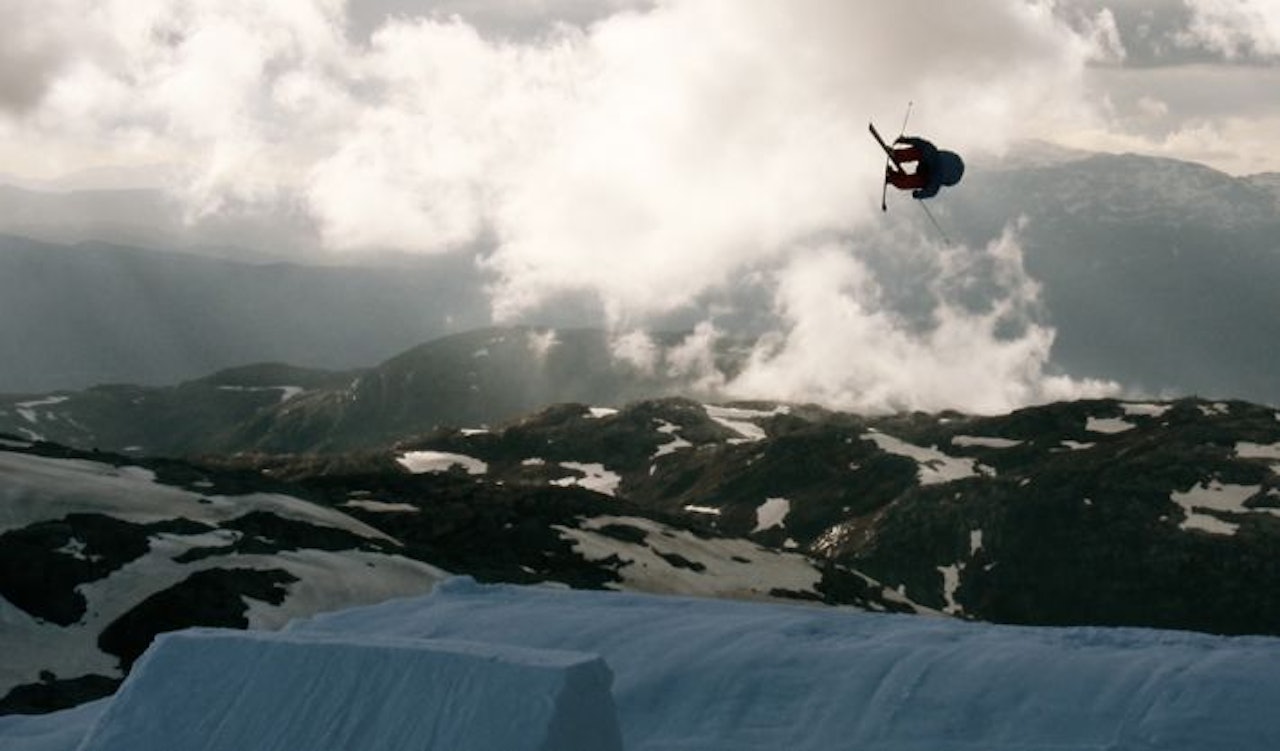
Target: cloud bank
point(643, 158)
point(842, 344)
point(1235, 28)
point(1185, 80)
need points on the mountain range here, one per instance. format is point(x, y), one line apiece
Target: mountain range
point(1155, 273)
point(477, 378)
point(1099, 513)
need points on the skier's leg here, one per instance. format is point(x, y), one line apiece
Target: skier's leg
point(904, 180)
point(906, 153)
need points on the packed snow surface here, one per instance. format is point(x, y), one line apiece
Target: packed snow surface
point(423, 462)
point(381, 507)
point(594, 477)
point(712, 674)
point(28, 410)
point(718, 675)
point(675, 560)
point(1247, 450)
point(675, 444)
point(1220, 498)
point(739, 420)
point(772, 513)
point(61, 731)
point(990, 442)
point(280, 692)
point(1108, 425)
point(1145, 410)
point(935, 467)
point(38, 488)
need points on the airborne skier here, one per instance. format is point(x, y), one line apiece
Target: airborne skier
point(933, 169)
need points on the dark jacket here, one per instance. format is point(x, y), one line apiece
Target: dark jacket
point(940, 167)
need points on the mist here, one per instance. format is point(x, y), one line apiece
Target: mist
point(646, 160)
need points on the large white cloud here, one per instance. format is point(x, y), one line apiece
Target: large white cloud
point(643, 159)
point(1189, 80)
point(31, 52)
point(841, 344)
point(1235, 28)
point(703, 137)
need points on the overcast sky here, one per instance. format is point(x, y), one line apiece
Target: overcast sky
point(640, 151)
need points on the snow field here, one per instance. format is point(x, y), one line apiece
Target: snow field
point(281, 692)
point(714, 567)
point(423, 462)
point(711, 675)
point(717, 675)
point(38, 488)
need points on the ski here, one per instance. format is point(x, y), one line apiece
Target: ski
point(888, 151)
point(892, 164)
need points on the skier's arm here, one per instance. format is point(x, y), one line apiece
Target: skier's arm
point(928, 151)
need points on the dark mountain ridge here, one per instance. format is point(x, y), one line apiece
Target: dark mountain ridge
point(1095, 512)
point(473, 379)
point(1102, 512)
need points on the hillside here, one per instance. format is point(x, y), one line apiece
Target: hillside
point(482, 377)
point(1101, 513)
point(100, 552)
point(1098, 513)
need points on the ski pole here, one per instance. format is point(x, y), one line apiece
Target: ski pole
point(884, 191)
point(936, 226)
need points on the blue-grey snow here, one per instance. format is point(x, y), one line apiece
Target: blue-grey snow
point(714, 675)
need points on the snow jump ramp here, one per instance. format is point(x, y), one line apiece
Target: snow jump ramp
point(218, 690)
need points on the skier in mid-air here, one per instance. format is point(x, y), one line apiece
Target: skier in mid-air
point(933, 169)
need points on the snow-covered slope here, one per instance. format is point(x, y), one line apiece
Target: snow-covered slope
point(96, 557)
point(99, 553)
point(1103, 512)
point(714, 675)
point(733, 676)
point(1090, 513)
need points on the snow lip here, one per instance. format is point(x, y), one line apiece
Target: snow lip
point(540, 657)
point(332, 692)
point(936, 683)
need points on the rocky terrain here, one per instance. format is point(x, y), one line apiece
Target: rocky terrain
point(1103, 513)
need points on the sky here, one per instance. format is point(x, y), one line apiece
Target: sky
point(681, 673)
point(650, 155)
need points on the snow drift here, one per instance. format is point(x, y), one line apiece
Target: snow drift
point(279, 692)
point(734, 676)
point(714, 676)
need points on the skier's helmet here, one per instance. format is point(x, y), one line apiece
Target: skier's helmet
point(950, 167)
